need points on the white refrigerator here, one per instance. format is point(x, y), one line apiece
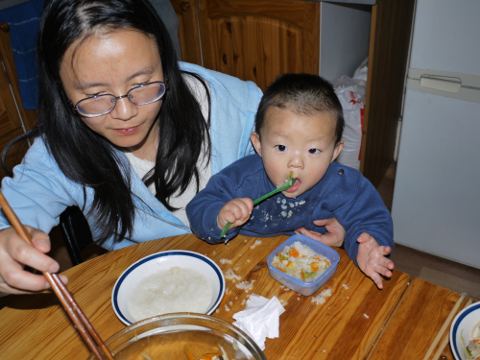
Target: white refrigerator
point(436, 201)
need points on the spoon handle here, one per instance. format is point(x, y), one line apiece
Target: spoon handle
point(287, 184)
point(281, 188)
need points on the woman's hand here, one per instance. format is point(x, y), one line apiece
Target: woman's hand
point(16, 253)
point(334, 236)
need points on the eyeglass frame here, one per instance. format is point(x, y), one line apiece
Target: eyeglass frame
point(116, 98)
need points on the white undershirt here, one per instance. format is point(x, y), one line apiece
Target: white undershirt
point(142, 167)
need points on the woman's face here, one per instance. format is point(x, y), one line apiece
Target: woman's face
point(112, 62)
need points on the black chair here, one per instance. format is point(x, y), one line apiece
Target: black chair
point(76, 231)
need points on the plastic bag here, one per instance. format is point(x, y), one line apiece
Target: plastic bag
point(351, 93)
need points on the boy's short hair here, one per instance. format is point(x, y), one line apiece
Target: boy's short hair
point(303, 94)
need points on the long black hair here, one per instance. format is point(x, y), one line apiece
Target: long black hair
point(86, 157)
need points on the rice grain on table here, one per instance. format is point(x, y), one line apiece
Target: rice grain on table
point(255, 244)
point(322, 297)
point(231, 275)
point(245, 285)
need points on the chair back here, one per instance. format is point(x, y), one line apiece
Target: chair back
point(14, 150)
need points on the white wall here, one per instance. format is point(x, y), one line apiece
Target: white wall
point(344, 38)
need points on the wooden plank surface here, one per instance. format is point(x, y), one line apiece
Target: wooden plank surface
point(346, 326)
point(419, 327)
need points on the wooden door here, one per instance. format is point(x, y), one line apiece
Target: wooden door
point(259, 40)
point(10, 105)
point(388, 59)
point(188, 30)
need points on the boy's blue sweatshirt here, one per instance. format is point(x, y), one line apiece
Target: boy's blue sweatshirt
point(343, 193)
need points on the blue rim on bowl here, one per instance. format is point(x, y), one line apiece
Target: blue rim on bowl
point(455, 329)
point(139, 265)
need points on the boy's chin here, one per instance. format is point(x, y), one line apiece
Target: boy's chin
point(292, 195)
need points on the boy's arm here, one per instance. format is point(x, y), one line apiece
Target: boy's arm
point(203, 209)
point(365, 212)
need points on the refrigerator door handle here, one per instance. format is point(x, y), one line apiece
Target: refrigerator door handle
point(442, 83)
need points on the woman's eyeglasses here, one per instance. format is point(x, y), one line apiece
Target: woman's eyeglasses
point(143, 94)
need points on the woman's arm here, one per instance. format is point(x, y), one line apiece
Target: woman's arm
point(39, 192)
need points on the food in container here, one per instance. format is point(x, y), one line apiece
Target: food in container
point(300, 261)
point(299, 274)
point(167, 282)
point(174, 290)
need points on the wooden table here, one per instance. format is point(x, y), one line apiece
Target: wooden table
point(408, 319)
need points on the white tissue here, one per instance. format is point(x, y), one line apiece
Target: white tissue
point(260, 319)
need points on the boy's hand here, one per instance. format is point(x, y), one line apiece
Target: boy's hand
point(333, 237)
point(372, 260)
point(236, 212)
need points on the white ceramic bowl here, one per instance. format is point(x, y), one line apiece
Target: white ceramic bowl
point(461, 330)
point(148, 288)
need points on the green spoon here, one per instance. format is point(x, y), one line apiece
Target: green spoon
point(286, 185)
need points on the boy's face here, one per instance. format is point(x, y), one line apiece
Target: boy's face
point(301, 144)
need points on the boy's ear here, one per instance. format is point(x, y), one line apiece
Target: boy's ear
point(338, 149)
point(257, 145)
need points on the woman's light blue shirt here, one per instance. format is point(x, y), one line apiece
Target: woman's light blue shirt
point(39, 192)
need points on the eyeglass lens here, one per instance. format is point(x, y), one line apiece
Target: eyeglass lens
point(103, 104)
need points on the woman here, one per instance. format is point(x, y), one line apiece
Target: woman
point(126, 133)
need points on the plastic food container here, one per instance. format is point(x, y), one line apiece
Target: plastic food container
point(305, 288)
point(183, 336)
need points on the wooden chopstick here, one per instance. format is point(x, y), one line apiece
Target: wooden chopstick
point(73, 310)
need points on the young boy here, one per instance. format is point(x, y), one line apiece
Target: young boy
point(298, 131)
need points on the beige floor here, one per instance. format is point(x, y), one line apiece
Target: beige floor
point(439, 271)
point(436, 270)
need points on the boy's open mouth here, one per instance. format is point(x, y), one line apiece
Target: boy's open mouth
point(294, 187)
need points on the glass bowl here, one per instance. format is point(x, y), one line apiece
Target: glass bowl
point(183, 336)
